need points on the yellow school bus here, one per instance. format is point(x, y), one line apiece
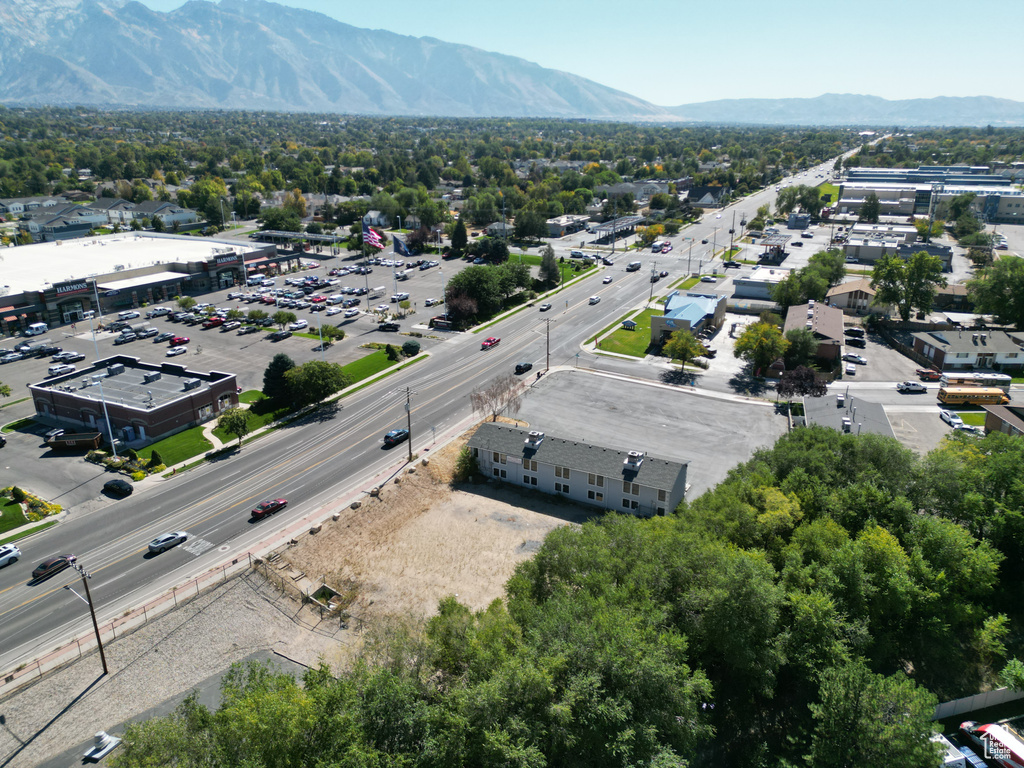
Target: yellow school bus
point(973, 396)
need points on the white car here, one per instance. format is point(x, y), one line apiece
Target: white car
point(333, 311)
point(951, 418)
point(231, 326)
point(595, 299)
point(174, 351)
point(911, 386)
point(850, 357)
point(607, 280)
point(430, 302)
point(351, 312)
point(851, 369)
point(382, 308)
point(709, 279)
point(166, 541)
point(9, 554)
point(298, 325)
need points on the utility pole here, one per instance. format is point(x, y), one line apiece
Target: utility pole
point(408, 419)
point(654, 272)
point(689, 263)
point(92, 612)
point(547, 361)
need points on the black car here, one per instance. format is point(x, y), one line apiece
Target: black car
point(523, 367)
point(857, 332)
point(388, 327)
point(118, 487)
point(855, 342)
point(731, 264)
point(54, 565)
point(395, 436)
point(3, 441)
point(278, 335)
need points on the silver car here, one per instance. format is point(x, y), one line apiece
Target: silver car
point(9, 554)
point(166, 541)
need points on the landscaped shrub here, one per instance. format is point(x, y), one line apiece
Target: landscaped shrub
point(391, 352)
point(411, 348)
point(138, 475)
point(17, 494)
point(154, 460)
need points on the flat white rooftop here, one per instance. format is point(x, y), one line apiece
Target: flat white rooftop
point(35, 267)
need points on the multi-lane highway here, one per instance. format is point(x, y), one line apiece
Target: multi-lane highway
point(311, 463)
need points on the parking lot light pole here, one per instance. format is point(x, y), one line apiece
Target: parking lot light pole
point(103, 400)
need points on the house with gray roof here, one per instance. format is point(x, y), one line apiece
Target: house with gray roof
point(691, 312)
point(13, 207)
point(966, 350)
point(847, 413)
point(632, 482)
point(116, 209)
point(825, 322)
point(168, 213)
point(62, 222)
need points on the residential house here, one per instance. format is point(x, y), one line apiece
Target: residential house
point(376, 219)
point(707, 197)
point(642, 191)
point(499, 229)
point(693, 312)
point(964, 350)
point(63, 222)
point(856, 297)
point(15, 207)
point(1008, 419)
point(169, 214)
point(824, 321)
point(632, 482)
point(116, 209)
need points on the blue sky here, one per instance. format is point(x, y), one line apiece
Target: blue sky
point(673, 52)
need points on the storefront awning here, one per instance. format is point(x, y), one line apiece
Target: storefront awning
point(10, 318)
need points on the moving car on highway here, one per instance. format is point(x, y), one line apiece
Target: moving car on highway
point(166, 541)
point(268, 507)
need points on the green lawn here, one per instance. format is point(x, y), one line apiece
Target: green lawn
point(259, 415)
point(251, 396)
point(11, 516)
point(180, 447)
point(686, 284)
point(23, 533)
point(633, 343)
point(972, 418)
point(829, 189)
point(364, 367)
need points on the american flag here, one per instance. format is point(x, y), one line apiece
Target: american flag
point(370, 237)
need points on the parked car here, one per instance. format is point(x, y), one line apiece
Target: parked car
point(53, 565)
point(213, 322)
point(248, 329)
point(395, 436)
point(709, 279)
point(850, 357)
point(165, 336)
point(178, 341)
point(167, 540)
point(388, 327)
point(10, 357)
point(268, 507)
point(9, 554)
point(859, 343)
point(911, 386)
point(279, 335)
point(334, 311)
point(490, 341)
point(68, 357)
point(118, 487)
point(231, 326)
point(351, 312)
point(175, 351)
point(951, 418)
point(929, 374)
point(125, 338)
point(851, 369)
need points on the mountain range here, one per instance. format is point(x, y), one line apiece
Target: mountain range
point(254, 54)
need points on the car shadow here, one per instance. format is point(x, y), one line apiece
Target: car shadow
point(151, 555)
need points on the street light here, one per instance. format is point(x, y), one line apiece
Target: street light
point(103, 400)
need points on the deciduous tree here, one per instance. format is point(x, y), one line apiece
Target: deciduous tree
point(870, 209)
point(999, 290)
point(800, 382)
point(314, 381)
point(760, 344)
point(683, 346)
point(907, 284)
point(235, 421)
point(549, 272)
point(275, 385)
point(502, 394)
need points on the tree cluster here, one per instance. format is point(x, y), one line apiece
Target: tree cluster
point(808, 611)
point(286, 383)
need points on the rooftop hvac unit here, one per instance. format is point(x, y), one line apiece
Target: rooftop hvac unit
point(974, 338)
point(810, 302)
point(191, 384)
point(98, 377)
point(151, 376)
point(115, 369)
point(634, 459)
point(534, 439)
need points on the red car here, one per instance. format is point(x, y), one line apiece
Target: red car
point(213, 322)
point(928, 374)
point(489, 342)
point(268, 507)
point(178, 341)
point(317, 298)
point(268, 300)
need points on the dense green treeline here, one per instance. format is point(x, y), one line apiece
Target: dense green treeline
point(943, 146)
point(810, 610)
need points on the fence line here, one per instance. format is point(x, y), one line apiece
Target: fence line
point(975, 702)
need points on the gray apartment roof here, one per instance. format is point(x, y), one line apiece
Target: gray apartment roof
point(826, 322)
point(970, 341)
point(827, 412)
point(583, 457)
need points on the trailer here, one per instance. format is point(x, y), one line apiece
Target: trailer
point(79, 441)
